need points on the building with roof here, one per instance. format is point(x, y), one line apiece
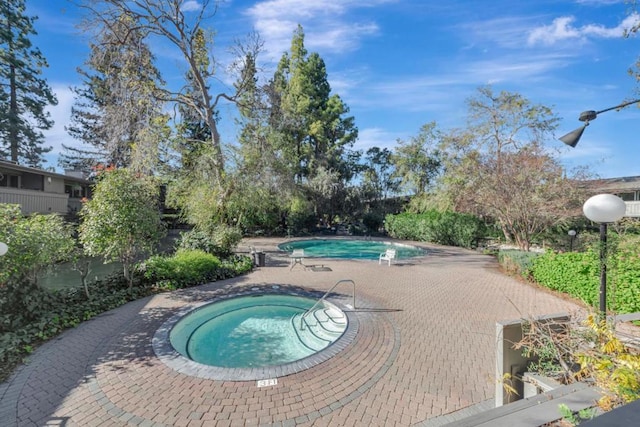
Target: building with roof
point(627, 188)
point(42, 191)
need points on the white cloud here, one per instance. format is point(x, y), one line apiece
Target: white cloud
point(490, 34)
point(435, 92)
point(560, 29)
point(514, 68)
point(563, 29)
point(190, 6)
point(328, 26)
point(375, 137)
point(275, 9)
point(60, 114)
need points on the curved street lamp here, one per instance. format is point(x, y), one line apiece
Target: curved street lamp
point(572, 138)
point(604, 208)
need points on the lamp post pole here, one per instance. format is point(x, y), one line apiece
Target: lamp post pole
point(604, 209)
point(603, 269)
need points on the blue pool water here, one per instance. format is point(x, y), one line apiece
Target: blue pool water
point(256, 331)
point(350, 249)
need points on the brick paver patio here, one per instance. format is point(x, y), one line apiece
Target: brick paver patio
point(425, 348)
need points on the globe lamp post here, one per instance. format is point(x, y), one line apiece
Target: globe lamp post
point(604, 209)
point(3, 248)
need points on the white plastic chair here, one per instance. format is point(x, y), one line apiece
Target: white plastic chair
point(296, 257)
point(389, 255)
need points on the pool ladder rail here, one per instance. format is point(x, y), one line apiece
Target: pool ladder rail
point(306, 313)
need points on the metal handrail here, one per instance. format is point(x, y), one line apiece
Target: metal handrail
point(325, 295)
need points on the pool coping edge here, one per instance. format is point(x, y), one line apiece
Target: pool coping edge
point(165, 352)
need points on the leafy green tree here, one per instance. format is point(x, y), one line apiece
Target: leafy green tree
point(36, 243)
point(201, 188)
point(262, 185)
point(117, 113)
point(258, 153)
point(24, 95)
point(498, 168)
point(417, 161)
point(122, 220)
point(379, 174)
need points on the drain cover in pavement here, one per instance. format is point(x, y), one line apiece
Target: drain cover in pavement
point(319, 268)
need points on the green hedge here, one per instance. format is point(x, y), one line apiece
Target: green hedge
point(444, 228)
point(578, 275)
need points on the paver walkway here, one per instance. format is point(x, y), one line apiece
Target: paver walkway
point(425, 348)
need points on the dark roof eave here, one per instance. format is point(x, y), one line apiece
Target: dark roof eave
point(19, 168)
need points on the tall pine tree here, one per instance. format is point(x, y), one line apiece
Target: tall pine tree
point(313, 131)
point(24, 94)
point(117, 115)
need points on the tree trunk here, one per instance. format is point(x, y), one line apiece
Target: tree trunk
point(127, 273)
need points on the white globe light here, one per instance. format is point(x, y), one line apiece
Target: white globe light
point(604, 208)
point(3, 248)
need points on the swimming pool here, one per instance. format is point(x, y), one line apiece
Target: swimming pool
point(243, 337)
point(350, 248)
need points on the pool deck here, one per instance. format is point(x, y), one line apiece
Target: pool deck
point(424, 353)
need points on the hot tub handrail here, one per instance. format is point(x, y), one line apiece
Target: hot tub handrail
point(325, 295)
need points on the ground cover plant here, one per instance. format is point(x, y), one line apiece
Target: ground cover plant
point(578, 274)
point(31, 315)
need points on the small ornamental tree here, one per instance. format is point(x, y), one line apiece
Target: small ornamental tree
point(122, 220)
point(36, 243)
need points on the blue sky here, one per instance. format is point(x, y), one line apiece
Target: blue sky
point(401, 63)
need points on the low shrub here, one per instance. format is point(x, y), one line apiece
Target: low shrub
point(220, 241)
point(183, 269)
point(624, 278)
point(190, 268)
point(517, 262)
point(445, 228)
point(22, 302)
